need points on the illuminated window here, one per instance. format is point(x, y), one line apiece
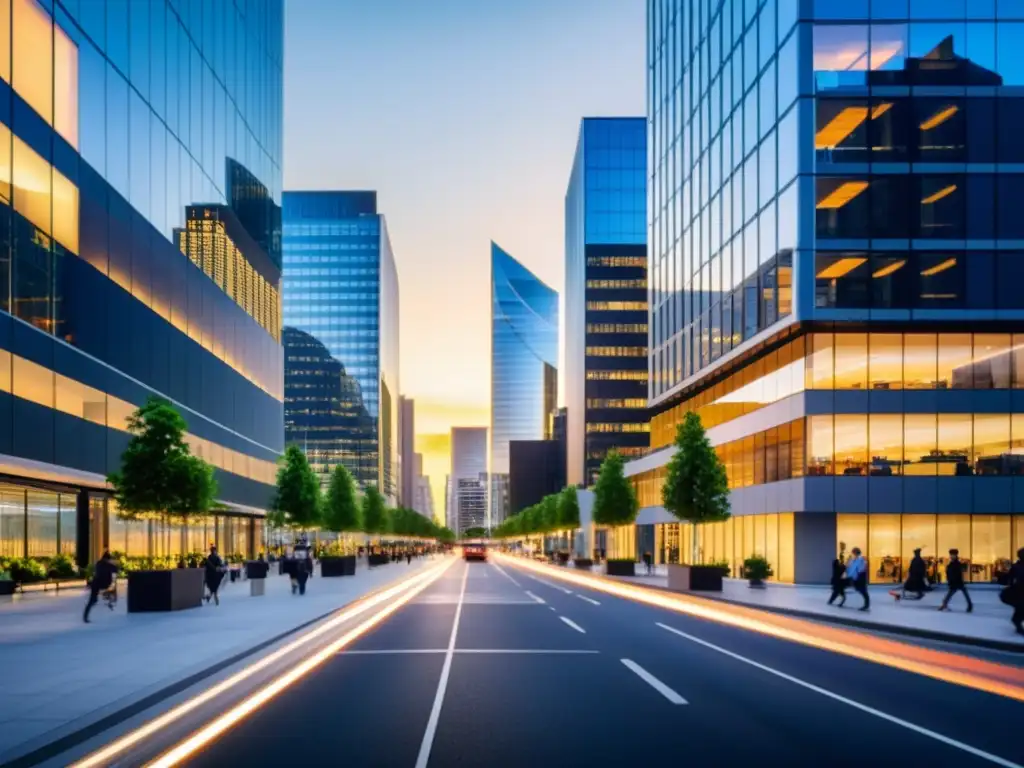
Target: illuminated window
point(33, 57)
point(617, 351)
point(616, 283)
point(628, 402)
point(631, 428)
point(616, 261)
point(79, 400)
point(65, 86)
point(617, 375)
point(616, 327)
point(617, 306)
point(33, 382)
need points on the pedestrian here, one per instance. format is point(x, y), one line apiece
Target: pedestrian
point(303, 565)
point(955, 581)
point(408, 557)
point(648, 563)
point(917, 576)
point(103, 577)
point(1013, 594)
point(838, 580)
point(213, 575)
point(857, 574)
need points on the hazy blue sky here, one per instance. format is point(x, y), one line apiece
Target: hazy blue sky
point(463, 115)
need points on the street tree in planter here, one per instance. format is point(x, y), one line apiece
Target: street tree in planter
point(696, 491)
point(298, 503)
point(341, 514)
point(615, 504)
point(159, 476)
point(569, 519)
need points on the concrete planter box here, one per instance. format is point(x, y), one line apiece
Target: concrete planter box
point(173, 590)
point(695, 578)
point(7, 588)
point(620, 568)
point(584, 563)
point(257, 587)
point(256, 569)
point(338, 566)
point(377, 559)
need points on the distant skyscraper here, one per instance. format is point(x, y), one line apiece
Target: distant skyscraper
point(406, 449)
point(606, 295)
point(422, 500)
point(468, 462)
point(471, 509)
point(524, 360)
point(341, 289)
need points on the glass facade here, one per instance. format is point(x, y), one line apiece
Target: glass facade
point(121, 126)
point(524, 362)
point(341, 335)
point(606, 295)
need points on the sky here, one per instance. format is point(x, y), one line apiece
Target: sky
point(463, 115)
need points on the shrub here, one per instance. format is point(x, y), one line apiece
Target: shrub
point(757, 568)
point(63, 567)
point(27, 570)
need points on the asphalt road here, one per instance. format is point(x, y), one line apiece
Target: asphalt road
point(490, 666)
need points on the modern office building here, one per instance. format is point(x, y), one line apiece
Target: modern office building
point(422, 499)
point(341, 290)
point(524, 365)
point(835, 266)
point(536, 469)
point(468, 461)
point(471, 503)
point(606, 295)
point(139, 211)
point(407, 450)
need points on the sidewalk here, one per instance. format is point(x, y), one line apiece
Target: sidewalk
point(987, 626)
point(60, 674)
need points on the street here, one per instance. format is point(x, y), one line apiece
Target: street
point(493, 665)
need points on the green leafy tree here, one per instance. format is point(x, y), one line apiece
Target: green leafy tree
point(696, 487)
point(158, 472)
point(446, 535)
point(549, 513)
point(342, 513)
point(474, 533)
point(614, 496)
point(374, 512)
point(298, 501)
point(568, 509)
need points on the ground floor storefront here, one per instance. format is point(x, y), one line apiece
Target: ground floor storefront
point(801, 546)
point(42, 520)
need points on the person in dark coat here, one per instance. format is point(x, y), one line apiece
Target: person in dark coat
point(102, 579)
point(1015, 591)
point(213, 574)
point(838, 580)
point(302, 555)
point(917, 576)
point(955, 581)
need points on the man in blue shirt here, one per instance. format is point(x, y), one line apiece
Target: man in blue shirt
point(857, 573)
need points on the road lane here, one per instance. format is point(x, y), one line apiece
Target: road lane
point(524, 688)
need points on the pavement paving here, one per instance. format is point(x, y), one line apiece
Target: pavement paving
point(495, 665)
point(59, 675)
point(988, 625)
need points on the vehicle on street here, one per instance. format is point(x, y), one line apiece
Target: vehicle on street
point(474, 551)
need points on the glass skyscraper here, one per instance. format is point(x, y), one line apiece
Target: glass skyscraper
point(606, 295)
point(835, 259)
point(524, 364)
point(341, 298)
point(140, 180)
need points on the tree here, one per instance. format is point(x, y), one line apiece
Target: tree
point(474, 533)
point(341, 508)
point(298, 500)
point(696, 487)
point(374, 512)
point(158, 472)
point(446, 535)
point(549, 513)
point(568, 509)
point(614, 497)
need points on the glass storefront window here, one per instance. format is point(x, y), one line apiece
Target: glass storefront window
point(68, 524)
point(992, 444)
point(919, 531)
point(12, 522)
point(43, 515)
point(990, 548)
point(919, 441)
point(851, 351)
point(885, 444)
point(851, 531)
point(954, 444)
point(851, 444)
point(954, 532)
point(884, 562)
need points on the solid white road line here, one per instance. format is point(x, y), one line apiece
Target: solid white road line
point(850, 703)
point(549, 584)
point(442, 685)
point(589, 600)
point(654, 682)
point(505, 573)
point(574, 625)
point(496, 651)
point(540, 600)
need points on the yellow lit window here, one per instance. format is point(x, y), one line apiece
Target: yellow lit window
point(617, 351)
point(79, 400)
point(118, 413)
point(32, 185)
point(617, 375)
point(33, 57)
point(33, 382)
point(843, 194)
point(65, 86)
point(65, 212)
point(617, 306)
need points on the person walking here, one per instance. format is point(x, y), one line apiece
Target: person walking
point(838, 581)
point(955, 581)
point(1014, 592)
point(303, 564)
point(408, 557)
point(103, 577)
point(857, 573)
point(213, 575)
point(917, 576)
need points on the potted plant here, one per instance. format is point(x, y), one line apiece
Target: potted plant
point(341, 515)
point(374, 523)
point(160, 476)
point(756, 569)
point(696, 491)
point(615, 504)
